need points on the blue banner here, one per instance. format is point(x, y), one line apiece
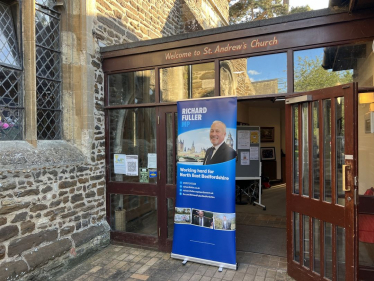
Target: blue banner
point(205, 220)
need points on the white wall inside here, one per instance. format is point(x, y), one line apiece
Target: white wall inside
point(365, 152)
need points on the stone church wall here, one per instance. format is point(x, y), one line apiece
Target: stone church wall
point(52, 193)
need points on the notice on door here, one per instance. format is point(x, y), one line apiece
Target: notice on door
point(152, 161)
point(132, 165)
point(120, 164)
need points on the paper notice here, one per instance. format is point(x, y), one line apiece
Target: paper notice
point(244, 158)
point(254, 153)
point(132, 165)
point(243, 139)
point(152, 161)
point(120, 164)
point(255, 137)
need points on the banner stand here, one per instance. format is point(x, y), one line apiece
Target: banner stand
point(204, 217)
point(207, 262)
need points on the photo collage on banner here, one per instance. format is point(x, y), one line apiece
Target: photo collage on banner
point(205, 220)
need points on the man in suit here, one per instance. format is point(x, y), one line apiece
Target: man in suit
point(220, 151)
point(226, 224)
point(201, 220)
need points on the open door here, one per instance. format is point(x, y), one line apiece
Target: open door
point(321, 129)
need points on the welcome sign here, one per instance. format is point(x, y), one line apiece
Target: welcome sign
point(205, 219)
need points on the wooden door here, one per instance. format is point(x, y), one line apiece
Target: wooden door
point(167, 155)
point(321, 128)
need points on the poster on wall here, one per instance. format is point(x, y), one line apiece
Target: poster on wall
point(205, 220)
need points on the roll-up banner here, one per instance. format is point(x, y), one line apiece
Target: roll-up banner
point(205, 220)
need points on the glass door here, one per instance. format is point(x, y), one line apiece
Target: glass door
point(321, 129)
point(167, 155)
point(132, 183)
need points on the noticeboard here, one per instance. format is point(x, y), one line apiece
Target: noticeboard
point(248, 141)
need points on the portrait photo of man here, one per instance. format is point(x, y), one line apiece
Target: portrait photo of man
point(226, 225)
point(220, 151)
point(201, 220)
point(224, 221)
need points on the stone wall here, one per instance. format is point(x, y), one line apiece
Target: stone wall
point(52, 193)
point(118, 22)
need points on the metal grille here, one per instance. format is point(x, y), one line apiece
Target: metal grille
point(11, 98)
point(48, 70)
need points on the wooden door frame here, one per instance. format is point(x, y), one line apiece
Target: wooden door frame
point(166, 190)
point(297, 202)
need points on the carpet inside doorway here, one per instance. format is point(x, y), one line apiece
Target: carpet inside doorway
point(261, 239)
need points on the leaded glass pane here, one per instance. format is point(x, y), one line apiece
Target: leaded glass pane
point(11, 98)
point(10, 87)
point(47, 31)
point(49, 124)
point(11, 123)
point(48, 93)
point(8, 40)
point(48, 70)
point(47, 3)
point(48, 63)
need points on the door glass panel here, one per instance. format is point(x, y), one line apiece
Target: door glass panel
point(132, 132)
point(306, 241)
point(316, 166)
point(340, 157)
point(170, 218)
point(295, 118)
point(327, 150)
point(187, 82)
point(316, 245)
point(305, 147)
point(328, 250)
point(340, 253)
point(170, 149)
point(133, 213)
point(296, 237)
point(132, 87)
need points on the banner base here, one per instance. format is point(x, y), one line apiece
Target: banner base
point(208, 262)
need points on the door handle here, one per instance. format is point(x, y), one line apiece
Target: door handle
point(346, 188)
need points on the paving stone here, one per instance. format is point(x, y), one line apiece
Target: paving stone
point(229, 275)
point(239, 276)
point(261, 272)
point(139, 276)
point(143, 269)
point(242, 268)
point(249, 277)
point(195, 277)
point(220, 275)
point(176, 276)
point(210, 272)
point(271, 274)
point(202, 269)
